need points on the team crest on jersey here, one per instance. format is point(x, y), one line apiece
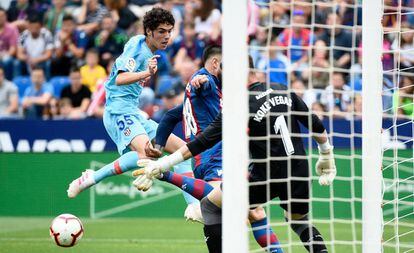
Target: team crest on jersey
point(127, 131)
point(130, 65)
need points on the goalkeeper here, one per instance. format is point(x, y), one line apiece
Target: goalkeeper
point(287, 146)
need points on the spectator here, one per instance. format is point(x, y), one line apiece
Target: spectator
point(387, 92)
point(171, 6)
point(65, 108)
point(78, 94)
point(91, 15)
point(277, 66)
point(121, 14)
point(207, 20)
point(405, 48)
point(258, 44)
point(187, 45)
point(357, 106)
point(54, 16)
point(294, 37)
point(35, 48)
point(171, 91)
point(337, 96)
point(341, 38)
point(36, 98)
point(110, 40)
point(70, 44)
point(307, 95)
point(319, 77)
point(319, 109)
point(404, 98)
point(92, 71)
point(280, 18)
point(9, 98)
point(8, 44)
point(187, 69)
point(146, 102)
point(97, 105)
point(252, 18)
point(347, 9)
point(18, 13)
point(390, 18)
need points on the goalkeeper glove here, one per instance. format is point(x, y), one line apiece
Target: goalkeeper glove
point(142, 182)
point(145, 174)
point(148, 170)
point(325, 166)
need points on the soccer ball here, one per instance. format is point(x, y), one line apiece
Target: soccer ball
point(66, 230)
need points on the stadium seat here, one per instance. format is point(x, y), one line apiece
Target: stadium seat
point(22, 82)
point(58, 83)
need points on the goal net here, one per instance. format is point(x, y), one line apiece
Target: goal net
point(361, 87)
point(398, 128)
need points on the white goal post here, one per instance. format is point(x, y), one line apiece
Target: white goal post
point(372, 37)
point(235, 116)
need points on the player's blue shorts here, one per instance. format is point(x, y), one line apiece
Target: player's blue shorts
point(211, 170)
point(122, 128)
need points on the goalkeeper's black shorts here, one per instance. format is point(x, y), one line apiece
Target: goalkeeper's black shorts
point(292, 190)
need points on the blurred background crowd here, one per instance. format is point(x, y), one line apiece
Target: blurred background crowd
point(55, 55)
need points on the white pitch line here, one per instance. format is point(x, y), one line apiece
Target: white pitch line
point(109, 240)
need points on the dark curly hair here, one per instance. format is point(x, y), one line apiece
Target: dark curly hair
point(156, 17)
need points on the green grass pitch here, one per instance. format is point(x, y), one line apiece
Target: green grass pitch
point(147, 235)
point(22, 235)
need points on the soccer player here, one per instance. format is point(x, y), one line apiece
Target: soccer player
point(125, 125)
point(200, 107)
point(279, 107)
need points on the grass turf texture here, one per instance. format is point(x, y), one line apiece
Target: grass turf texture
point(22, 235)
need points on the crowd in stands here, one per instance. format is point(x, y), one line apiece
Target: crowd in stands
point(55, 55)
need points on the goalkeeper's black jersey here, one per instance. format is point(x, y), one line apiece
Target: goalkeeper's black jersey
point(266, 106)
point(275, 114)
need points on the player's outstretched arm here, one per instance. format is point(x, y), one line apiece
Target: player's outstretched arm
point(207, 139)
point(198, 81)
point(125, 78)
point(165, 128)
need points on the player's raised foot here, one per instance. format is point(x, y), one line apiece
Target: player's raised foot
point(83, 182)
point(193, 213)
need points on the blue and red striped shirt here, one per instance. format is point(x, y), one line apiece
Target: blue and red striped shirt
point(201, 106)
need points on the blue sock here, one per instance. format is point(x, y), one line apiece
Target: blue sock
point(265, 236)
point(126, 162)
point(185, 168)
point(195, 187)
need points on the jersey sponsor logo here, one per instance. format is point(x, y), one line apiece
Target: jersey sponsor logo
point(130, 65)
point(263, 94)
point(268, 104)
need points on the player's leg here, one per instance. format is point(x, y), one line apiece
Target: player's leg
point(211, 210)
point(183, 172)
point(131, 136)
point(262, 232)
point(297, 211)
point(212, 220)
point(183, 168)
point(195, 187)
point(308, 234)
point(206, 178)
